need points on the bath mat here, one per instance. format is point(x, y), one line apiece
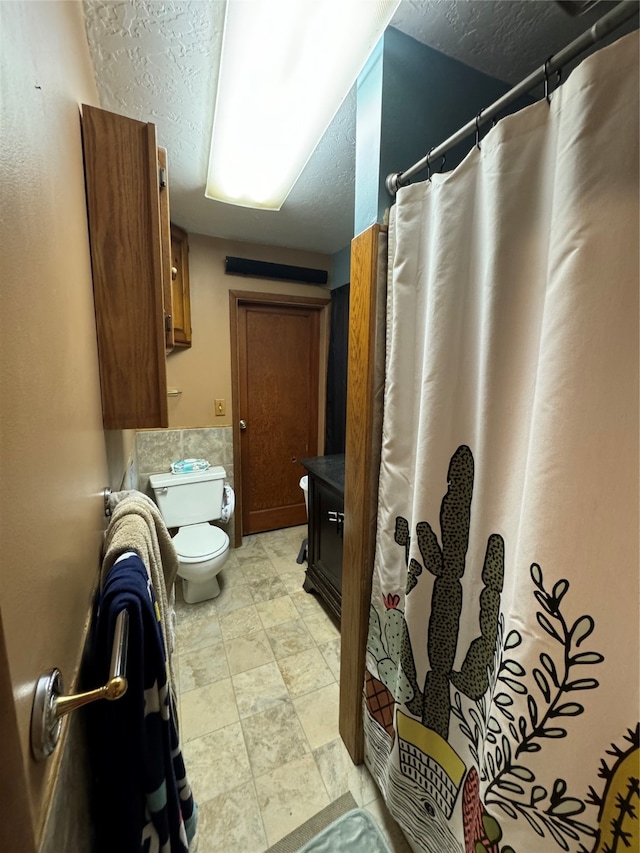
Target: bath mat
point(354, 832)
point(307, 831)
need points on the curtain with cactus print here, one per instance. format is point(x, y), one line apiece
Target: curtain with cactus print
point(501, 694)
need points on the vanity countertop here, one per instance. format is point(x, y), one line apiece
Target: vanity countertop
point(330, 469)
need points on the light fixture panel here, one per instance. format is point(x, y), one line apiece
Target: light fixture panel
point(286, 67)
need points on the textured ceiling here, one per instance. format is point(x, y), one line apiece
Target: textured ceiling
point(156, 61)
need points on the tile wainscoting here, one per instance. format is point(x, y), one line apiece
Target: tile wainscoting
point(155, 450)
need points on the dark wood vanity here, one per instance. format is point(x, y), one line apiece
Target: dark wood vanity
point(326, 526)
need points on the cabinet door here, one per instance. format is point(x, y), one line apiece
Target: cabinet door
point(165, 239)
point(180, 297)
point(122, 183)
point(328, 551)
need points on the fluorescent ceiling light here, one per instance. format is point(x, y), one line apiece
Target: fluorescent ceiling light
point(286, 67)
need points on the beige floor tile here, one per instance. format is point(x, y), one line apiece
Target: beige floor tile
point(272, 535)
point(189, 612)
point(266, 589)
point(216, 763)
point(262, 569)
point(286, 562)
point(233, 598)
point(273, 738)
point(331, 653)
point(290, 795)
point(258, 562)
point(231, 823)
point(318, 713)
point(197, 629)
point(340, 774)
point(258, 689)
point(293, 580)
point(305, 671)
point(202, 666)
point(207, 709)
point(248, 652)
point(231, 575)
point(390, 829)
point(276, 611)
point(279, 550)
point(250, 551)
point(322, 627)
point(308, 605)
point(243, 621)
point(289, 638)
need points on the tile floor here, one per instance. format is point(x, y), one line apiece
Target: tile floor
point(258, 671)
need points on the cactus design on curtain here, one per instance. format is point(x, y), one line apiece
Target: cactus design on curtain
point(505, 715)
point(447, 563)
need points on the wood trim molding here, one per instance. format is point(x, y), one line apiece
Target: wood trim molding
point(362, 460)
point(238, 296)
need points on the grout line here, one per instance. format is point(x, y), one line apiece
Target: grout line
point(255, 791)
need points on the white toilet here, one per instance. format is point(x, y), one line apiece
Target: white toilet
point(190, 501)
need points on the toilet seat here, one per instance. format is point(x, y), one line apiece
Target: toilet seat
point(199, 542)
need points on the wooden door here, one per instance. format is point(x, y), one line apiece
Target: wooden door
point(278, 370)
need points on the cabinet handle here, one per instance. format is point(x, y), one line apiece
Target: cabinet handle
point(338, 518)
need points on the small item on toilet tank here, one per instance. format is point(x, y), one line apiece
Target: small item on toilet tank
point(187, 466)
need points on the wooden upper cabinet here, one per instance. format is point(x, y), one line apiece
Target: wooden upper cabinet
point(128, 219)
point(180, 298)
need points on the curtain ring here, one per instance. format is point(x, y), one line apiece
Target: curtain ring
point(547, 93)
point(478, 130)
point(444, 160)
point(429, 164)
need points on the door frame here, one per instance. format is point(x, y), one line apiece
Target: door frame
point(242, 298)
point(365, 384)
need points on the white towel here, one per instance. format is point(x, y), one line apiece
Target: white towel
point(136, 524)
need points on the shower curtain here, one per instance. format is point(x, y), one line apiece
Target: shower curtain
point(501, 693)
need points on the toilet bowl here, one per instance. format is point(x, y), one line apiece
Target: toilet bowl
point(202, 551)
point(190, 501)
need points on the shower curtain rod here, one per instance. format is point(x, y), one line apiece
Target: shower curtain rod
point(609, 22)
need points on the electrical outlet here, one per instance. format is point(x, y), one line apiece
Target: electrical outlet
point(220, 410)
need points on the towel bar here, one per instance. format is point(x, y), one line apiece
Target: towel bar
point(49, 705)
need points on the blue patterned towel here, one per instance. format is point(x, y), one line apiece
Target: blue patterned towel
point(143, 800)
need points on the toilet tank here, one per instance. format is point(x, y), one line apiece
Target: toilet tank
point(189, 498)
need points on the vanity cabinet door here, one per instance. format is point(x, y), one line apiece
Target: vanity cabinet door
point(123, 179)
point(328, 554)
point(326, 523)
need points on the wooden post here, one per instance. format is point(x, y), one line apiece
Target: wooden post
point(362, 458)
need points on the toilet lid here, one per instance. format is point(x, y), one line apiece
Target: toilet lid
point(200, 542)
